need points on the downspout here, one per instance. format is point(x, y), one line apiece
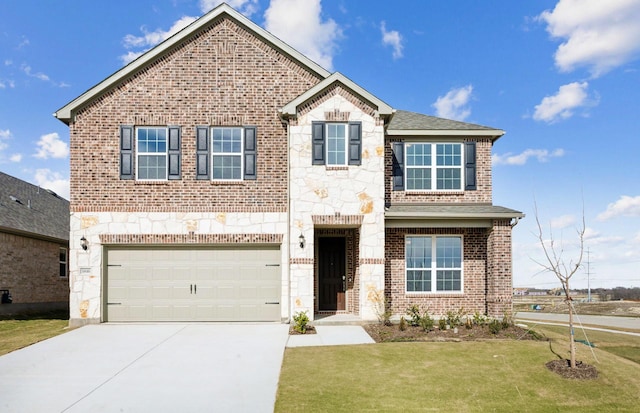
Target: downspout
point(285, 121)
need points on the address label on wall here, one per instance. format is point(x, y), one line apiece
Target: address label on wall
point(85, 270)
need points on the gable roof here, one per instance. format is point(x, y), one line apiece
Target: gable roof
point(64, 114)
point(405, 123)
point(291, 108)
point(31, 210)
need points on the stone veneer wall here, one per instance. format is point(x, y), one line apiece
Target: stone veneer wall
point(320, 194)
point(475, 273)
point(155, 228)
point(30, 270)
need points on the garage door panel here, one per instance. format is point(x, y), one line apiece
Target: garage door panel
point(180, 284)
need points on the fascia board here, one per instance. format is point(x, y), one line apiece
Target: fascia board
point(495, 133)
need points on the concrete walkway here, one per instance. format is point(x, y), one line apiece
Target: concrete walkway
point(631, 323)
point(331, 336)
point(147, 368)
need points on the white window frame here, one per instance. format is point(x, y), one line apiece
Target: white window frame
point(239, 154)
point(345, 147)
point(434, 167)
point(64, 262)
point(434, 265)
point(139, 154)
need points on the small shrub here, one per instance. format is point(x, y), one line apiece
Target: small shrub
point(495, 326)
point(403, 324)
point(468, 323)
point(414, 313)
point(426, 322)
point(442, 324)
point(301, 320)
point(479, 319)
point(454, 318)
point(507, 319)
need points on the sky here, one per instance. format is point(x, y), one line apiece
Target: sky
point(561, 77)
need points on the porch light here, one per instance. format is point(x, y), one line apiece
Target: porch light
point(84, 243)
point(301, 240)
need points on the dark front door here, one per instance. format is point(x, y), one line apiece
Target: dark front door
point(331, 273)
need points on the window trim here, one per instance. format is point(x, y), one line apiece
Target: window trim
point(345, 145)
point(353, 144)
point(138, 153)
point(238, 154)
point(434, 167)
point(434, 268)
point(64, 262)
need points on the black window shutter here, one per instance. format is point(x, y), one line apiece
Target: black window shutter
point(202, 152)
point(470, 166)
point(398, 166)
point(250, 153)
point(174, 152)
point(317, 142)
point(355, 143)
point(126, 152)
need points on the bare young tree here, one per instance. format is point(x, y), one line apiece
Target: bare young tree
point(556, 264)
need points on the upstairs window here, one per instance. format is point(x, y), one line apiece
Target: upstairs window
point(150, 153)
point(433, 264)
point(226, 162)
point(226, 153)
point(434, 166)
point(336, 144)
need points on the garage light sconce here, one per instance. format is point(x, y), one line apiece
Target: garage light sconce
point(301, 240)
point(84, 243)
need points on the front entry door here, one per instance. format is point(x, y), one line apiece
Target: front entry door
point(331, 273)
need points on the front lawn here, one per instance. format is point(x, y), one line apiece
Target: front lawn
point(477, 376)
point(16, 334)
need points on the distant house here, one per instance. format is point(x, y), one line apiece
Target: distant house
point(34, 245)
point(224, 176)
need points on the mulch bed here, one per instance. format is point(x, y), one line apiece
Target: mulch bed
point(310, 330)
point(382, 333)
point(582, 371)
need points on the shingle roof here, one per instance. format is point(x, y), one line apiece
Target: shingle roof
point(405, 121)
point(27, 208)
point(448, 211)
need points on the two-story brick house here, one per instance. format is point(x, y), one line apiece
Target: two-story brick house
point(224, 176)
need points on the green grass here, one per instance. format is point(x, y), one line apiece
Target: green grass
point(16, 334)
point(504, 376)
point(622, 345)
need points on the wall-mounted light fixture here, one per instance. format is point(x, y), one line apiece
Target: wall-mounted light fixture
point(84, 243)
point(301, 240)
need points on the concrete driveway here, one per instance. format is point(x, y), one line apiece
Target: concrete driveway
point(147, 368)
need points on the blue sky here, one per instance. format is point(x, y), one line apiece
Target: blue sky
point(560, 77)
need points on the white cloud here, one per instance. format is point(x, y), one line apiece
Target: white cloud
point(392, 38)
point(542, 155)
point(299, 24)
point(150, 39)
point(246, 7)
point(16, 157)
point(453, 104)
point(625, 206)
point(5, 135)
point(7, 83)
point(597, 34)
point(54, 181)
point(562, 221)
point(39, 75)
point(562, 104)
point(50, 146)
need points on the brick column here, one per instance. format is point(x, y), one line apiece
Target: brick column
point(499, 269)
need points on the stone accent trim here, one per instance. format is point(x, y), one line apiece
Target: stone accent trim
point(186, 209)
point(337, 219)
point(301, 261)
point(337, 89)
point(191, 238)
point(371, 261)
point(337, 116)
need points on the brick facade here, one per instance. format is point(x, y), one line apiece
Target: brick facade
point(30, 269)
point(475, 275)
point(223, 76)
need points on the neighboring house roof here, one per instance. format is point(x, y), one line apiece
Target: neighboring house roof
point(406, 123)
point(30, 210)
point(448, 211)
point(291, 108)
point(64, 114)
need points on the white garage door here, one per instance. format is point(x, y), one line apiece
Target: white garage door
point(177, 284)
